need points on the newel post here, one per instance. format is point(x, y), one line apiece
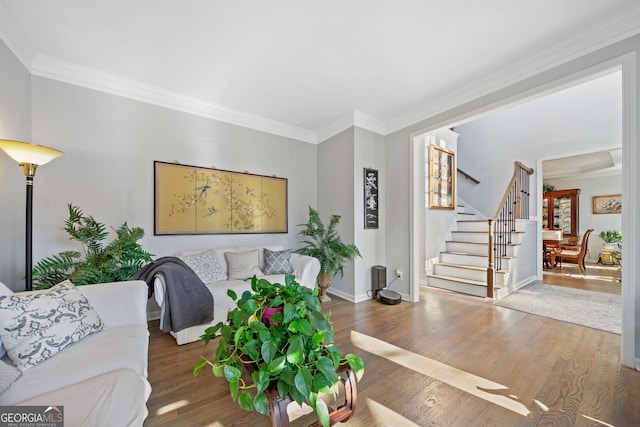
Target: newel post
point(490, 270)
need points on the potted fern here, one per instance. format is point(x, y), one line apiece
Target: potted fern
point(325, 244)
point(277, 339)
point(97, 263)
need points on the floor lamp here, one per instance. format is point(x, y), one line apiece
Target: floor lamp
point(29, 156)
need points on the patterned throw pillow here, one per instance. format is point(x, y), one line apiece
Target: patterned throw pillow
point(206, 265)
point(36, 326)
point(277, 262)
point(8, 374)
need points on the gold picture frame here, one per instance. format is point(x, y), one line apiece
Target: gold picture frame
point(441, 178)
point(197, 200)
point(611, 204)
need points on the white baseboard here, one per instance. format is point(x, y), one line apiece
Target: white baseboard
point(346, 296)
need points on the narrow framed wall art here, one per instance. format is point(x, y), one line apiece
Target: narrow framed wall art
point(441, 178)
point(371, 200)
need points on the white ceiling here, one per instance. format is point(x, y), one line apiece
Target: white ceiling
point(307, 69)
point(601, 163)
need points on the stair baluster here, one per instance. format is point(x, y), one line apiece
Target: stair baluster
point(514, 205)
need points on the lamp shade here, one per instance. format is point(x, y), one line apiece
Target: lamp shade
point(24, 152)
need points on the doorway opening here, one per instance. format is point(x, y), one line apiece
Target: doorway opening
point(626, 65)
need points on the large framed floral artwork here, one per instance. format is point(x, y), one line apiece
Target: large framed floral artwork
point(198, 200)
point(441, 178)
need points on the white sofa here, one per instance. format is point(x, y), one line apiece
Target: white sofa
point(305, 269)
point(100, 380)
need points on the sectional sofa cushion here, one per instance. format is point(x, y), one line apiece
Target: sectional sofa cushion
point(8, 374)
point(38, 325)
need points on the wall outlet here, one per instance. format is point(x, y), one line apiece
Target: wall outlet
point(399, 274)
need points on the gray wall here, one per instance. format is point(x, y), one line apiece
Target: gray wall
point(341, 162)
point(335, 196)
point(109, 146)
point(15, 123)
point(369, 153)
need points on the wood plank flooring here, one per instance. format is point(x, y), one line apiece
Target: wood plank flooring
point(596, 277)
point(448, 360)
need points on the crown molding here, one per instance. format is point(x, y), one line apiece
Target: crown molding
point(343, 123)
point(14, 40)
point(607, 32)
point(354, 118)
point(68, 72)
point(368, 122)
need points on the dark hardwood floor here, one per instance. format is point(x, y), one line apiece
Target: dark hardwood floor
point(448, 360)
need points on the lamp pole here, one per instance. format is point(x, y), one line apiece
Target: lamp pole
point(29, 156)
point(29, 172)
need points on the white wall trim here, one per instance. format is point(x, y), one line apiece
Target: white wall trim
point(346, 296)
point(340, 125)
point(354, 118)
point(607, 32)
point(368, 122)
point(630, 178)
point(68, 72)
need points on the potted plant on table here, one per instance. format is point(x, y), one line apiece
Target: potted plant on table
point(325, 244)
point(611, 238)
point(277, 337)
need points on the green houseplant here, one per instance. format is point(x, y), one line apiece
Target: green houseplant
point(325, 244)
point(277, 337)
point(98, 263)
point(611, 238)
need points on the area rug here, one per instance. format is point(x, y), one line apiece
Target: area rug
point(595, 310)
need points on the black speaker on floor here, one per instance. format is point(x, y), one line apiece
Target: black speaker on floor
point(378, 285)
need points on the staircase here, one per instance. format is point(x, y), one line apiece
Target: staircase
point(462, 266)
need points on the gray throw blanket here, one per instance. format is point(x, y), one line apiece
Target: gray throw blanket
point(187, 301)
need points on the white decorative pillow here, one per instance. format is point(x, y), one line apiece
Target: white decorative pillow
point(242, 265)
point(277, 262)
point(206, 265)
point(8, 374)
point(38, 325)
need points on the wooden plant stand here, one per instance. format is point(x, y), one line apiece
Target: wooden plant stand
point(344, 412)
